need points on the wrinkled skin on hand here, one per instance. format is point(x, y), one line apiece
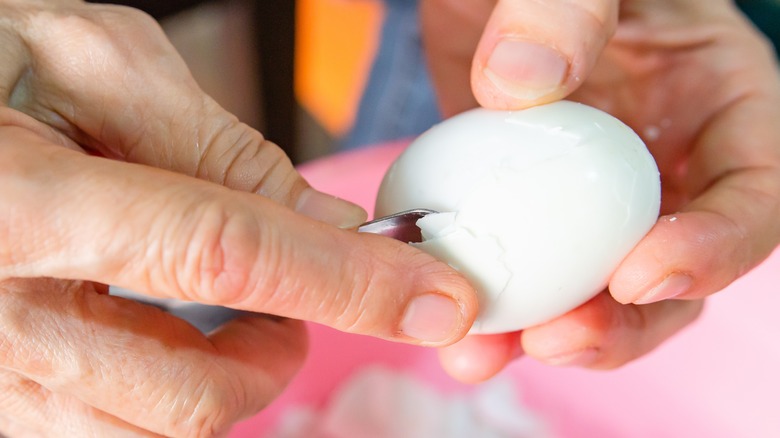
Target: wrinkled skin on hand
point(115, 168)
point(699, 84)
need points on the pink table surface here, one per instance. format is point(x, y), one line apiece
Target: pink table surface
point(717, 378)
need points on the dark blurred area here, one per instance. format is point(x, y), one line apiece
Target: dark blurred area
point(766, 16)
point(157, 9)
point(273, 29)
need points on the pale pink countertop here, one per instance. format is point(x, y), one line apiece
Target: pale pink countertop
point(717, 378)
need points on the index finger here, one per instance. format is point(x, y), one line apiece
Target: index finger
point(168, 235)
point(108, 77)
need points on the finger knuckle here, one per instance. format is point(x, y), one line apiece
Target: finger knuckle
point(16, 172)
point(352, 311)
point(602, 13)
point(212, 403)
point(364, 303)
point(217, 258)
point(88, 42)
point(30, 330)
point(354, 304)
point(14, 325)
point(229, 256)
point(239, 157)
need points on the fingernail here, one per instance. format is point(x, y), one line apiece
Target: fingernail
point(674, 285)
point(431, 318)
point(580, 358)
point(525, 70)
point(330, 209)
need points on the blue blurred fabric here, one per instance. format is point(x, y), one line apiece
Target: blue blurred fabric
point(398, 100)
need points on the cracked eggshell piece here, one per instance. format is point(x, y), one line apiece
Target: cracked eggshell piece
point(537, 207)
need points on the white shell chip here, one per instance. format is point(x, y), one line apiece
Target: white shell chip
point(537, 207)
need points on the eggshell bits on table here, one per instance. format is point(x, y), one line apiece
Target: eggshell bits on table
point(536, 207)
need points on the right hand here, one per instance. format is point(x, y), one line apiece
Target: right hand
point(190, 204)
point(698, 82)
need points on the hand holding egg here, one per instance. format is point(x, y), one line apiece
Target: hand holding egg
point(536, 207)
point(698, 82)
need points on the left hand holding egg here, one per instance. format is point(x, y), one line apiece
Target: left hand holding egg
point(696, 81)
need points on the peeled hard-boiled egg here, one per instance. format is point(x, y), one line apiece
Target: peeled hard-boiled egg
point(536, 207)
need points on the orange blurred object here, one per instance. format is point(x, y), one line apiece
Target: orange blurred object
point(335, 44)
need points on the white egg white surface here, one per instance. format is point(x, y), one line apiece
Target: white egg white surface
point(537, 207)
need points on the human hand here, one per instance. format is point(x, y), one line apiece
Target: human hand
point(190, 204)
point(701, 87)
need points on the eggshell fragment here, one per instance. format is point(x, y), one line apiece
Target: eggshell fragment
point(537, 207)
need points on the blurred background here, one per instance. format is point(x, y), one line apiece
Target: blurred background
point(294, 69)
point(318, 76)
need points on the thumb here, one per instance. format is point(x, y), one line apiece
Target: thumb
point(534, 52)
